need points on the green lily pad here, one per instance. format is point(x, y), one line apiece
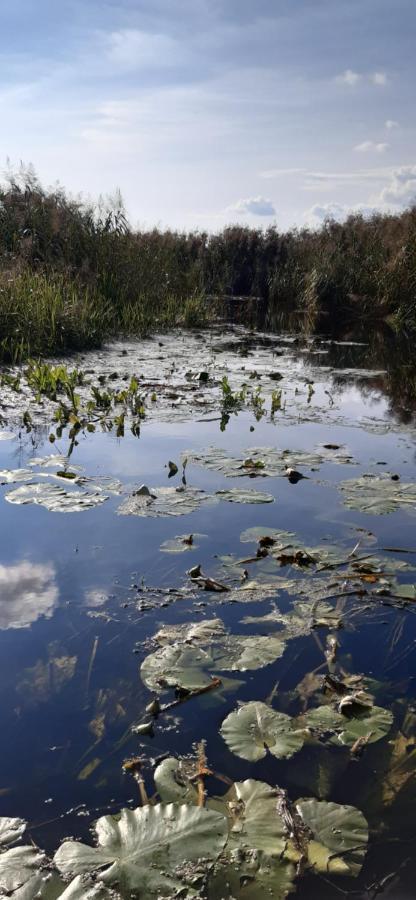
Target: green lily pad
point(173, 783)
point(340, 836)
point(251, 866)
point(142, 850)
point(255, 728)
point(373, 724)
point(199, 652)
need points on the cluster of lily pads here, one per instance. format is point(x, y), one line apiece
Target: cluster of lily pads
point(249, 842)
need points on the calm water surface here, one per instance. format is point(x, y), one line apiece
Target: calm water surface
point(74, 626)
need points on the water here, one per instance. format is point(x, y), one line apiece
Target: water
point(77, 613)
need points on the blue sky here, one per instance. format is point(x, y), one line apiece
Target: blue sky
point(208, 112)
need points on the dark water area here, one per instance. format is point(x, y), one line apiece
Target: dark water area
point(82, 594)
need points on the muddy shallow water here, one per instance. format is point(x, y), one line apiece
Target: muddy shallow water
point(83, 593)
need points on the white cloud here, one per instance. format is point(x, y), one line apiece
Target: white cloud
point(27, 591)
point(391, 123)
point(379, 78)
point(349, 77)
point(256, 206)
point(131, 49)
point(278, 173)
point(371, 147)
point(401, 191)
point(318, 214)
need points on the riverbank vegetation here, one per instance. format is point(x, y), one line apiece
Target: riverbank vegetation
point(72, 274)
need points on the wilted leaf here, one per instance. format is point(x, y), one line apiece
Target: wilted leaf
point(255, 728)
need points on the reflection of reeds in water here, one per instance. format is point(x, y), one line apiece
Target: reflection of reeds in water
point(72, 274)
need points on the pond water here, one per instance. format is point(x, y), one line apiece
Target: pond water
point(84, 592)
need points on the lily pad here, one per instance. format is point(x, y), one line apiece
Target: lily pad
point(18, 865)
point(255, 728)
point(251, 865)
point(13, 476)
point(164, 501)
point(173, 783)
point(340, 836)
point(182, 543)
point(55, 498)
point(378, 495)
point(373, 724)
point(142, 850)
point(239, 495)
point(11, 830)
point(191, 664)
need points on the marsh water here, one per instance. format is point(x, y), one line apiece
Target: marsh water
point(84, 592)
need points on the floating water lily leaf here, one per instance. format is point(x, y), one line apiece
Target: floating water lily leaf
point(255, 535)
point(249, 875)
point(181, 543)
point(239, 495)
point(254, 822)
point(378, 494)
point(250, 866)
point(324, 719)
point(11, 830)
point(172, 780)
point(18, 865)
point(84, 889)
point(12, 476)
point(373, 724)
point(177, 666)
point(255, 728)
point(192, 663)
point(264, 461)
point(142, 850)
point(54, 461)
point(340, 836)
point(164, 501)
point(192, 632)
point(55, 498)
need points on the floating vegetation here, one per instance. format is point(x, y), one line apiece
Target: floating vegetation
point(325, 639)
point(239, 495)
point(163, 501)
point(378, 495)
point(181, 544)
point(255, 728)
point(191, 655)
point(55, 498)
point(262, 462)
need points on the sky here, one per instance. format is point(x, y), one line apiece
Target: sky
point(206, 113)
